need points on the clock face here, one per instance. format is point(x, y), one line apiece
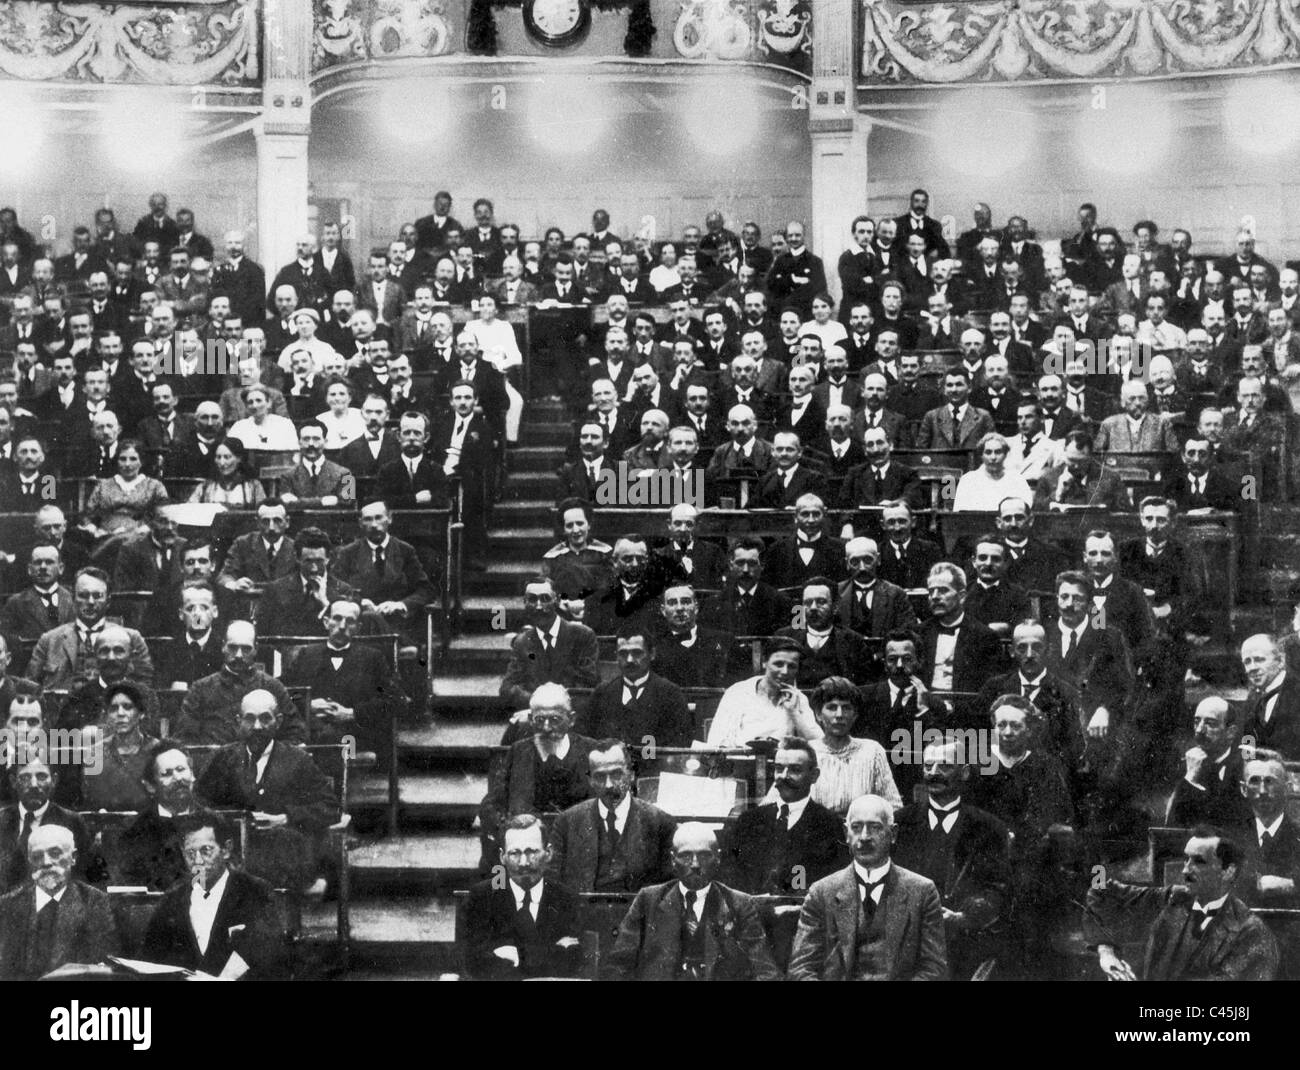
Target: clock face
point(557, 22)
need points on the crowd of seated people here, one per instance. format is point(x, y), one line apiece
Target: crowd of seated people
point(984, 373)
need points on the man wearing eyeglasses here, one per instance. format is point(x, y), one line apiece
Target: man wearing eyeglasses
point(525, 925)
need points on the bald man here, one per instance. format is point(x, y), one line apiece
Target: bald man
point(53, 919)
point(873, 921)
point(1273, 716)
point(692, 928)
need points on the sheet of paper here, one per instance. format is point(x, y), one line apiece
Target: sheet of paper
point(147, 968)
point(696, 796)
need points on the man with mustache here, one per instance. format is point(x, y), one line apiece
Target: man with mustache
point(150, 849)
point(55, 919)
point(1210, 790)
point(548, 649)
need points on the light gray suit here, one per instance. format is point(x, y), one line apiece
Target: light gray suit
point(57, 663)
point(825, 947)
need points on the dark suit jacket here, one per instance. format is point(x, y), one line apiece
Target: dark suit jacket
point(785, 568)
point(708, 567)
point(25, 615)
point(284, 609)
point(647, 841)
point(1004, 603)
point(89, 866)
point(979, 652)
point(979, 880)
point(890, 609)
point(772, 494)
point(1058, 701)
point(1213, 800)
point(825, 947)
point(571, 662)
point(292, 785)
point(1099, 669)
point(912, 570)
point(245, 923)
point(84, 932)
point(659, 714)
point(177, 661)
point(332, 479)
point(755, 861)
point(402, 580)
point(397, 486)
point(649, 943)
point(247, 558)
point(1220, 492)
point(698, 665)
point(512, 781)
point(137, 565)
point(1282, 731)
point(357, 458)
point(1104, 490)
point(488, 921)
point(364, 682)
point(845, 653)
point(342, 277)
point(861, 487)
point(1237, 946)
point(769, 610)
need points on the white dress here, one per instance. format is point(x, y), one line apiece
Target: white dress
point(744, 714)
point(275, 433)
point(978, 492)
point(340, 430)
point(861, 768)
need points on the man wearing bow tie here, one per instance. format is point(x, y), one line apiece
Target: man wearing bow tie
point(792, 561)
point(874, 920)
point(964, 851)
point(1273, 715)
point(829, 648)
point(1210, 790)
point(1201, 930)
point(957, 650)
point(44, 605)
point(638, 703)
point(1162, 565)
point(364, 456)
point(916, 221)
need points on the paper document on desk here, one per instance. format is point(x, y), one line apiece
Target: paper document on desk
point(696, 796)
point(148, 969)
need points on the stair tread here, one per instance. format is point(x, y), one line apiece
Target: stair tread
point(419, 851)
point(467, 685)
point(430, 788)
point(451, 735)
point(423, 920)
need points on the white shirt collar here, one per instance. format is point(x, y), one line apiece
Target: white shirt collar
point(43, 897)
point(796, 809)
point(872, 876)
point(620, 812)
point(561, 750)
point(535, 892)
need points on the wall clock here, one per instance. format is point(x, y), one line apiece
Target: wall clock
point(557, 23)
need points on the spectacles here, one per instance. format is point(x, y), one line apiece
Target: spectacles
point(206, 852)
point(530, 853)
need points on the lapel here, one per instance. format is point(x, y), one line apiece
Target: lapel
point(669, 915)
point(897, 915)
point(66, 925)
point(846, 919)
point(588, 842)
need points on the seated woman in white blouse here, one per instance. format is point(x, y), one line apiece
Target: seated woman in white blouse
point(664, 275)
point(768, 706)
point(499, 347)
point(342, 423)
point(831, 332)
point(261, 429)
point(231, 484)
point(849, 767)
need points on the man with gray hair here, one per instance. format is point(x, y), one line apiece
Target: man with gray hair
point(1210, 789)
point(874, 921)
point(1273, 715)
point(55, 919)
point(868, 604)
point(692, 928)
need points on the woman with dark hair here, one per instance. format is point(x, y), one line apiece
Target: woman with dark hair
point(769, 706)
point(119, 504)
point(231, 483)
point(850, 767)
point(124, 749)
point(342, 422)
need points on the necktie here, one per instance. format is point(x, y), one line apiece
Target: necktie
point(937, 817)
point(956, 414)
point(526, 910)
point(1028, 690)
point(783, 820)
point(689, 921)
point(867, 889)
point(1073, 648)
point(379, 560)
point(164, 560)
point(592, 475)
point(1204, 917)
point(52, 610)
point(611, 831)
point(460, 427)
point(43, 938)
point(900, 702)
point(634, 693)
point(1265, 841)
point(29, 819)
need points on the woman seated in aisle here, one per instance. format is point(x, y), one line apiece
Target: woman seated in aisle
point(122, 503)
point(850, 767)
point(232, 483)
point(341, 421)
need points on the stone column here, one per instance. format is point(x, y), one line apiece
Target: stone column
point(284, 131)
point(838, 134)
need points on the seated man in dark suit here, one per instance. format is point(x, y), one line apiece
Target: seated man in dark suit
point(1210, 789)
point(387, 573)
point(632, 593)
point(220, 922)
point(1201, 930)
point(612, 842)
point(1117, 602)
point(992, 598)
point(868, 604)
point(1273, 712)
point(905, 558)
point(965, 851)
point(829, 649)
point(957, 650)
point(1080, 480)
point(1163, 566)
point(54, 919)
point(210, 711)
point(638, 705)
point(150, 851)
point(1031, 563)
point(692, 928)
point(873, 920)
point(687, 653)
point(789, 478)
point(548, 649)
point(881, 479)
point(686, 558)
point(46, 604)
point(298, 604)
point(33, 779)
point(1200, 486)
point(261, 556)
point(1272, 842)
point(545, 772)
point(85, 702)
point(784, 846)
point(368, 453)
point(531, 926)
point(316, 483)
point(279, 784)
point(417, 479)
point(747, 605)
point(353, 690)
point(151, 560)
point(793, 560)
